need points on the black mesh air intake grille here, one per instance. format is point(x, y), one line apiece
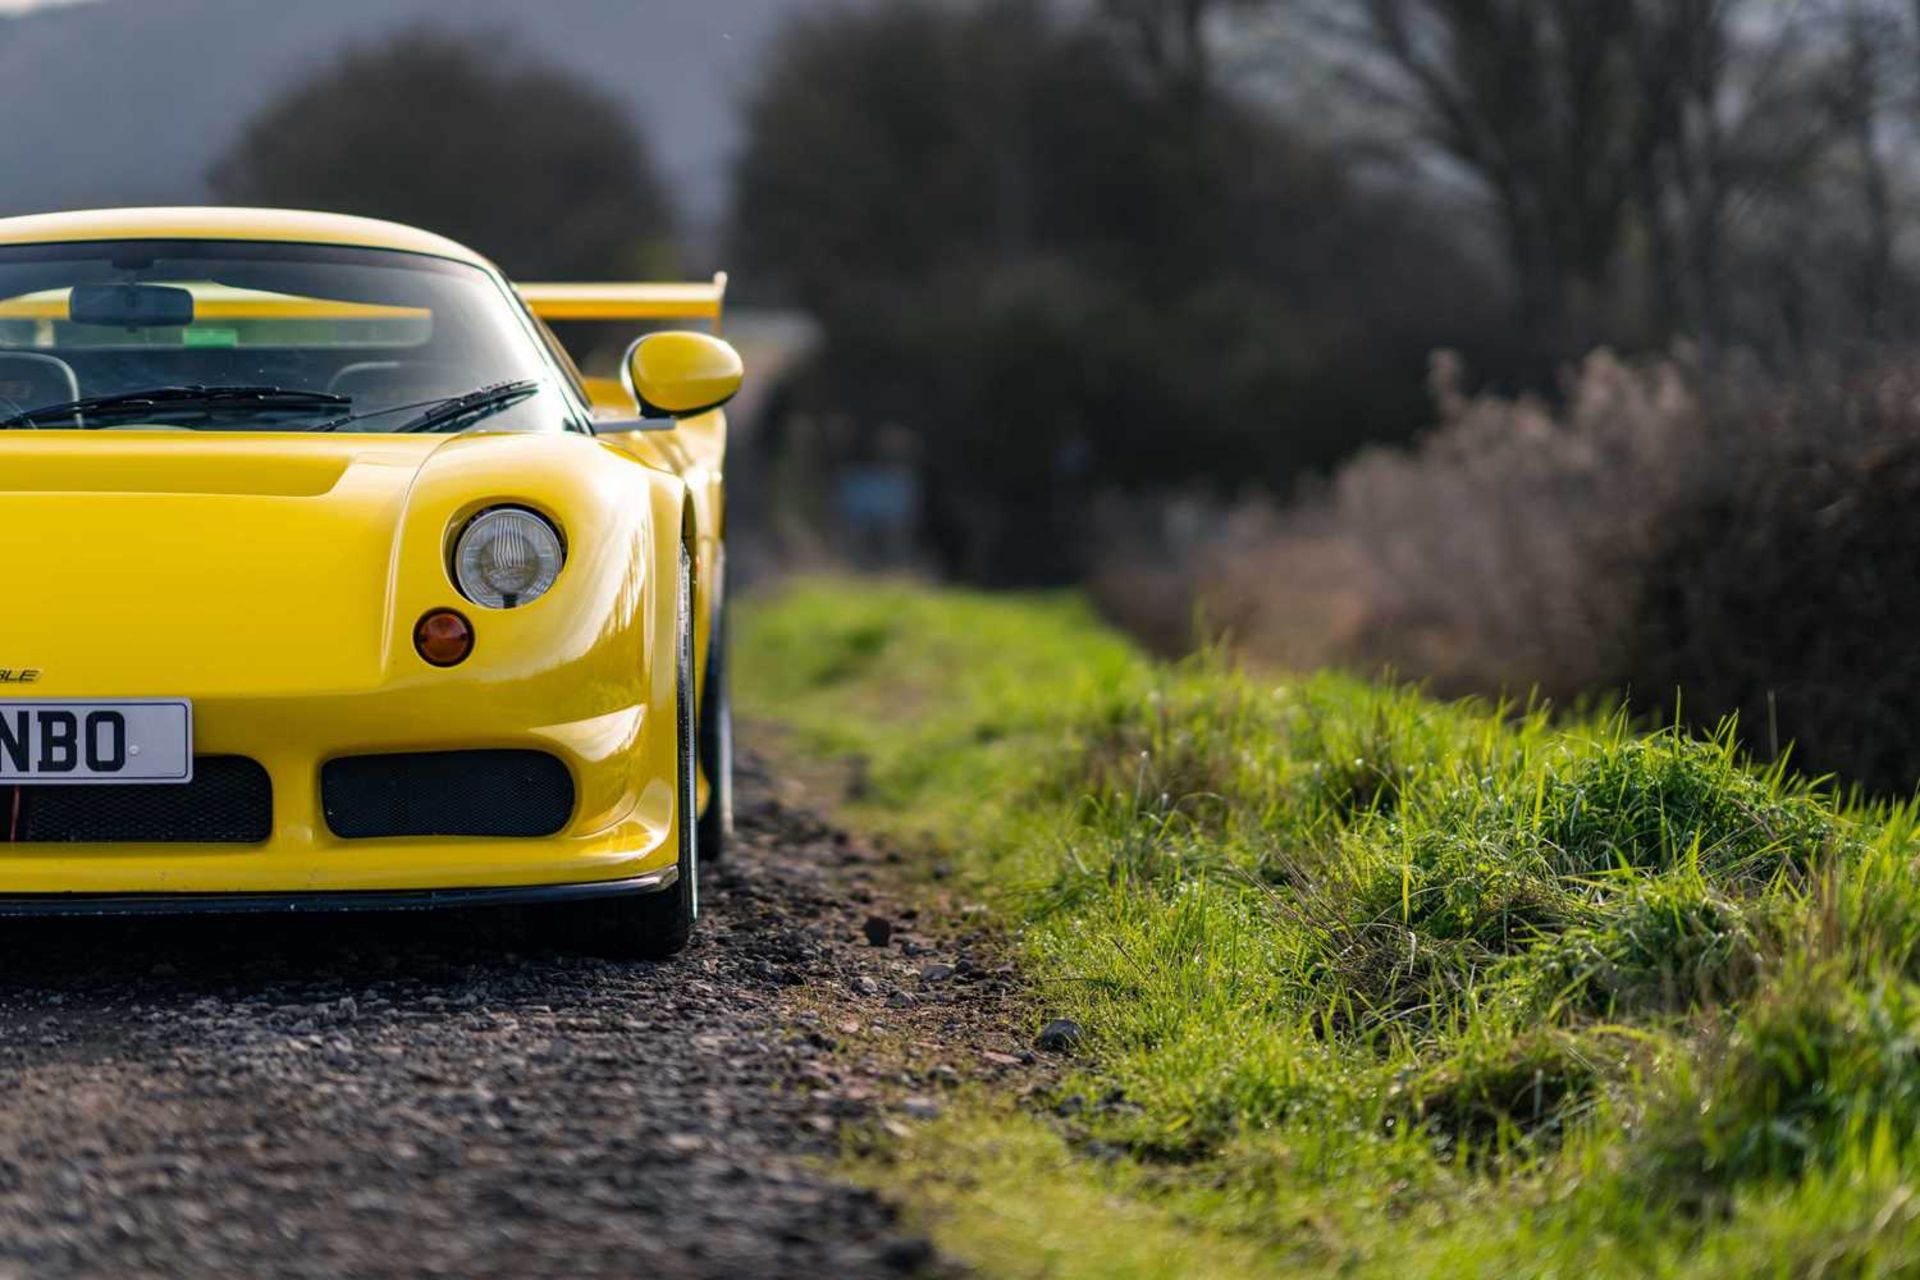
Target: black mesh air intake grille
point(447, 793)
point(229, 801)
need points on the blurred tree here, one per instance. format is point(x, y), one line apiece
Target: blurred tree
point(522, 161)
point(1680, 159)
point(1174, 40)
point(1870, 37)
point(1060, 277)
point(1661, 168)
point(1537, 98)
point(1769, 184)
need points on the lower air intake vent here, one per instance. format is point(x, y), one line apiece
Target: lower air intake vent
point(229, 801)
point(447, 793)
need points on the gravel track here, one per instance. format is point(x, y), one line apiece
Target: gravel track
point(434, 1095)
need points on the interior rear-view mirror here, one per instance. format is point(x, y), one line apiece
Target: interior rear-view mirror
point(131, 306)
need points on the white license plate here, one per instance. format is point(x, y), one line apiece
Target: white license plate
point(128, 740)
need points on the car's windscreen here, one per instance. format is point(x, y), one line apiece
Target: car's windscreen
point(244, 336)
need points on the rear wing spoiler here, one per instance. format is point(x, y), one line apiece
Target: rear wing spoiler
point(697, 301)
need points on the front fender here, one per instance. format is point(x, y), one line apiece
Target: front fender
point(597, 648)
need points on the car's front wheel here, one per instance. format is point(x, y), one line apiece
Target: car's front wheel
point(656, 925)
point(716, 743)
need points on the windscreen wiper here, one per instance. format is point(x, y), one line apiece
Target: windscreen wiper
point(473, 404)
point(218, 397)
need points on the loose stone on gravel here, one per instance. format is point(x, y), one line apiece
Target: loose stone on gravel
point(879, 931)
point(1062, 1035)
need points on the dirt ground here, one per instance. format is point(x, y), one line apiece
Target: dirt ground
point(403, 1095)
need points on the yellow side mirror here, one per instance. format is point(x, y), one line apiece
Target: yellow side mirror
point(676, 375)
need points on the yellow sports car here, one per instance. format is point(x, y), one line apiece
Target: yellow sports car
point(331, 583)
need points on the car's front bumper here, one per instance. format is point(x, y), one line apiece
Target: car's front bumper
point(621, 828)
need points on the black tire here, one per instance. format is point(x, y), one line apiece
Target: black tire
point(716, 744)
point(652, 926)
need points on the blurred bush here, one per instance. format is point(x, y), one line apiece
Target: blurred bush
point(1790, 599)
point(544, 174)
point(1712, 538)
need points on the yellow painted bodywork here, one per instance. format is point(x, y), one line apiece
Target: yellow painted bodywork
point(628, 301)
point(695, 449)
point(274, 579)
point(277, 226)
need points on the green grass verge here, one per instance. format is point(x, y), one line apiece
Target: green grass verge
point(1376, 984)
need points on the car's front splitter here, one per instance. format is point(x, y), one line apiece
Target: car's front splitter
point(27, 905)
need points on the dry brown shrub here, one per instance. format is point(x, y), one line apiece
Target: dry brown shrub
point(1748, 538)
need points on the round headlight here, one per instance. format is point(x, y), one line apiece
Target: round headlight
point(507, 557)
